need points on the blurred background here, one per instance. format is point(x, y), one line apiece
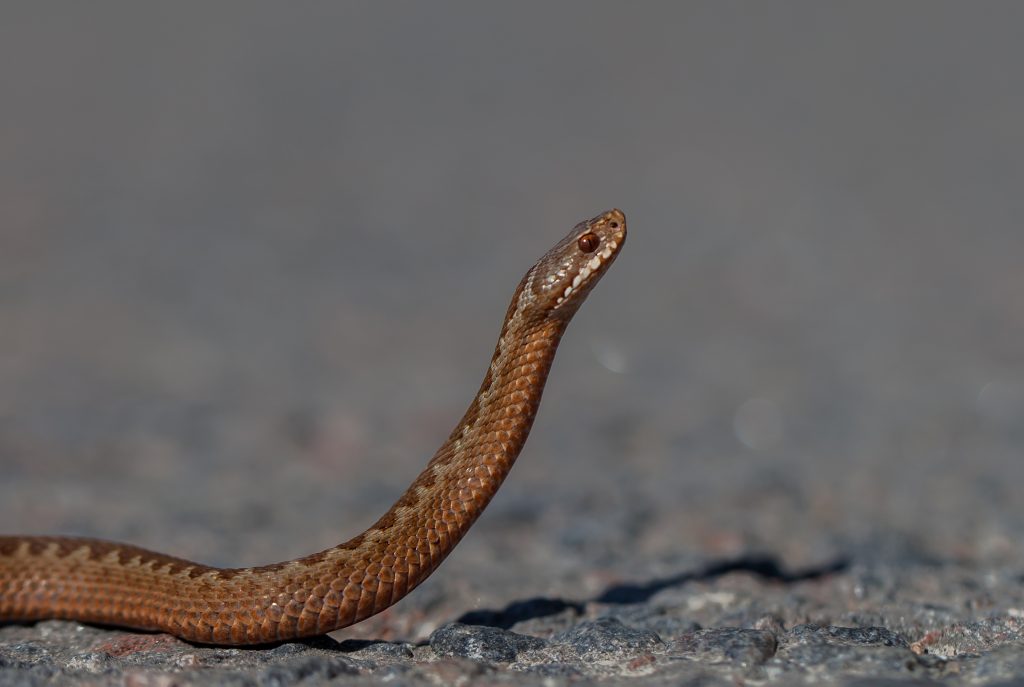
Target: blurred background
point(254, 257)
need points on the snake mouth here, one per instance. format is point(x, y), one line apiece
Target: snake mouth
point(590, 268)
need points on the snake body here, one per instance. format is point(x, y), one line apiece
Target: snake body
point(109, 583)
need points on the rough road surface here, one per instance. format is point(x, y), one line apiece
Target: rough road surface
point(734, 623)
point(253, 261)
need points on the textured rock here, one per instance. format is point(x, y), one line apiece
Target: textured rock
point(733, 645)
point(907, 642)
point(306, 668)
point(608, 637)
point(480, 643)
point(870, 636)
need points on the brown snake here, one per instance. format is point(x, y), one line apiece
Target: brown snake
point(118, 584)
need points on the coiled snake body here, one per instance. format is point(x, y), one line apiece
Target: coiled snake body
point(118, 584)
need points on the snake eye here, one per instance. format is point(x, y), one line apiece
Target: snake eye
point(589, 242)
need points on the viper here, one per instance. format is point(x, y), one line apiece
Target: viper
point(96, 581)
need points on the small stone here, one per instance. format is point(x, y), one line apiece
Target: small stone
point(851, 636)
point(853, 651)
point(666, 622)
point(94, 662)
point(288, 649)
point(733, 645)
point(481, 643)
point(376, 649)
point(606, 637)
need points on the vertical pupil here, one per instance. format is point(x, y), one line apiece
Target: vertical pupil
point(588, 242)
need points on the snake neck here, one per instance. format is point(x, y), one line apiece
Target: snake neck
point(497, 423)
point(467, 470)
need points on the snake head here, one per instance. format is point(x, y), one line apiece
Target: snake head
point(565, 275)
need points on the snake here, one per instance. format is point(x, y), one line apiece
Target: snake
point(121, 585)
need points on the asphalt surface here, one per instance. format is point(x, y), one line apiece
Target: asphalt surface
point(253, 260)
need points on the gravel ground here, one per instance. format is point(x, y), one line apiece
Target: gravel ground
point(253, 259)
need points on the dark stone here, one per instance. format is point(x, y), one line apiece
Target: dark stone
point(480, 643)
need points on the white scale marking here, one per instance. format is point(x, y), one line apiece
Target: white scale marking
point(584, 273)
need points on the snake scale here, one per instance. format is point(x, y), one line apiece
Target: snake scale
point(103, 582)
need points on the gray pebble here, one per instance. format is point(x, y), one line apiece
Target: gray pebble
point(608, 636)
point(94, 662)
point(374, 649)
point(743, 647)
point(481, 643)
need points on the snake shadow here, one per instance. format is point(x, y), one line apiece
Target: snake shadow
point(765, 567)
